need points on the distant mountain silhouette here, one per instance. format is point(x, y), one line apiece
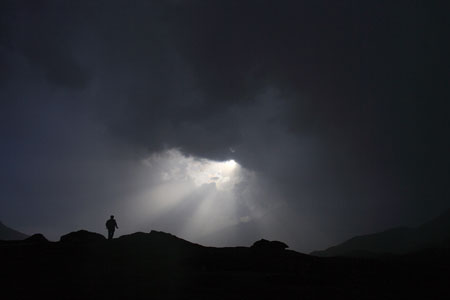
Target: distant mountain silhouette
point(401, 240)
point(9, 234)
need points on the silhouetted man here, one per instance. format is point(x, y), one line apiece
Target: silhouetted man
point(111, 224)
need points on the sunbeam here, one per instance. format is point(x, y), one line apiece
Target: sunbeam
point(196, 197)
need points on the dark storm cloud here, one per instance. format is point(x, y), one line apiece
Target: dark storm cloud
point(340, 105)
point(41, 33)
point(356, 76)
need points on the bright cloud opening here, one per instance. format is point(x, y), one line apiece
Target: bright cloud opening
point(193, 197)
point(223, 174)
point(199, 171)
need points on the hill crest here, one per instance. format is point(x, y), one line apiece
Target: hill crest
point(400, 240)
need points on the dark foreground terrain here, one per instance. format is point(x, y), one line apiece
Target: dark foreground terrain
point(157, 265)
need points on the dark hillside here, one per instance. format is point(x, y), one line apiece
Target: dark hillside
point(8, 234)
point(158, 265)
point(432, 234)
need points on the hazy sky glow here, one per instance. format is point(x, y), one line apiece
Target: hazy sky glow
point(200, 193)
point(224, 122)
point(198, 198)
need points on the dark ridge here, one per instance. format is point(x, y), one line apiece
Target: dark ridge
point(36, 238)
point(158, 265)
point(162, 239)
point(170, 239)
point(82, 236)
point(266, 245)
point(9, 234)
point(402, 240)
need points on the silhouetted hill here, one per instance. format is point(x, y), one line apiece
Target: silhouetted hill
point(7, 233)
point(158, 239)
point(265, 245)
point(433, 234)
point(158, 265)
point(82, 236)
point(36, 238)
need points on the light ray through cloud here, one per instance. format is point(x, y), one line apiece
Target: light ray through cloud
point(201, 195)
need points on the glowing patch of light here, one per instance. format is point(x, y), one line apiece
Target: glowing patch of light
point(173, 166)
point(223, 174)
point(194, 197)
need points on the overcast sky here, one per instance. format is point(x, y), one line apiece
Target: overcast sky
point(224, 122)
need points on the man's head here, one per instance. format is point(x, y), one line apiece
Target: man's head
point(112, 217)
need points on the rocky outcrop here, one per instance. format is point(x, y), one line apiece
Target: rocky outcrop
point(82, 236)
point(36, 238)
point(266, 245)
